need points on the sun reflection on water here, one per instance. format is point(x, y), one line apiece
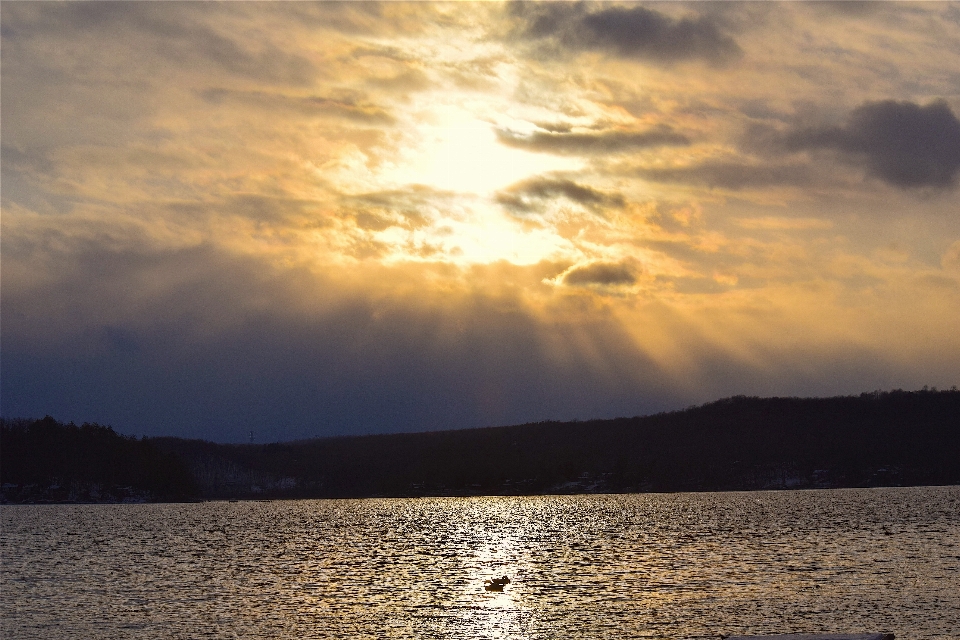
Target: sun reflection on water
point(494, 548)
point(643, 566)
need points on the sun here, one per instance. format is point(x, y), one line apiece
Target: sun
point(490, 236)
point(459, 152)
point(454, 150)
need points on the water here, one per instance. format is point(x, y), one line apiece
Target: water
point(618, 566)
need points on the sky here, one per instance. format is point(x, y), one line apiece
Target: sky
point(317, 219)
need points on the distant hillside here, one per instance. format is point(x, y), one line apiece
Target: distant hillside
point(875, 439)
point(48, 461)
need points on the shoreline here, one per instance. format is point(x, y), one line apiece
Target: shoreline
point(288, 498)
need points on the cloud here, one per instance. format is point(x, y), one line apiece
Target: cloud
point(696, 285)
point(560, 142)
point(771, 223)
point(201, 343)
point(352, 106)
point(211, 218)
point(902, 143)
point(15, 159)
point(847, 8)
point(732, 175)
point(405, 82)
point(518, 196)
point(951, 258)
point(379, 19)
point(410, 208)
point(629, 32)
point(600, 273)
point(183, 34)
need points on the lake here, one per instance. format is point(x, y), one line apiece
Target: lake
point(685, 565)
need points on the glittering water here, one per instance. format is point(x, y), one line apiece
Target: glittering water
point(618, 566)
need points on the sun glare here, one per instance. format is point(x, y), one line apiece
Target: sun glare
point(481, 234)
point(494, 237)
point(454, 150)
point(461, 153)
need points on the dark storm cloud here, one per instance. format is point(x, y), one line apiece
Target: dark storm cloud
point(629, 32)
point(223, 346)
point(518, 196)
point(591, 143)
point(732, 175)
point(602, 273)
point(901, 143)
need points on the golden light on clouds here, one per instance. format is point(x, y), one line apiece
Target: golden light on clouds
point(424, 215)
point(459, 152)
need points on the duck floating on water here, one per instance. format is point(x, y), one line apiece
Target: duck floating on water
point(496, 584)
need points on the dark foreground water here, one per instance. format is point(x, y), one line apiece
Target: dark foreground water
point(617, 566)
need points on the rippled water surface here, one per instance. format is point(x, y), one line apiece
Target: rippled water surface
point(617, 566)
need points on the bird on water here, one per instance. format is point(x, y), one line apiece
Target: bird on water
point(496, 584)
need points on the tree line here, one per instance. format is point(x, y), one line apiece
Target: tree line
point(49, 461)
point(740, 443)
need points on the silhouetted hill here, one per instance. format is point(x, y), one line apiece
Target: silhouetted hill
point(740, 443)
point(48, 461)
